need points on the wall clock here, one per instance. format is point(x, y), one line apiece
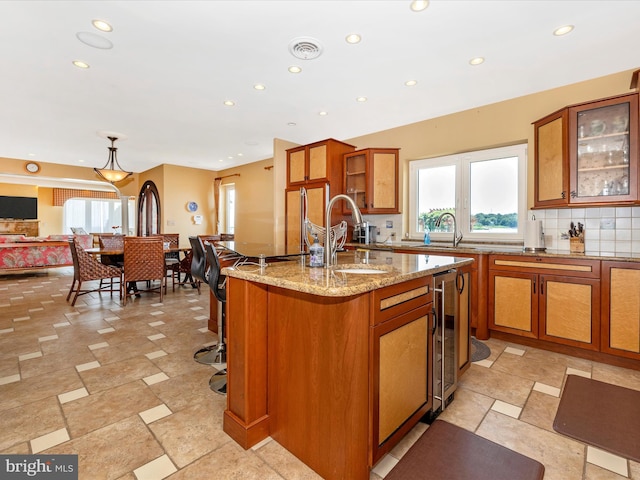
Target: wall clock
point(192, 206)
point(32, 167)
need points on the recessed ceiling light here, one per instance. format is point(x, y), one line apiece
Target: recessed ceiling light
point(476, 61)
point(419, 5)
point(411, 83)
point(353, 38)
point(80, 64)
point(221, 160)
point(558, 32)
point(31, 154)
point(259, 86)
point(294, 69)
point(361, 99)
point(229, 103)
point(239, 154)
point(291, 124)
point(323, 113)
point(230, 157)
point(102, 25)
point(81, 161)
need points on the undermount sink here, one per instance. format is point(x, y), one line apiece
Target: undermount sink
point(362, 269)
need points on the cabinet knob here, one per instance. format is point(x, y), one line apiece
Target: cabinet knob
point(562, 195)
point(574, 194)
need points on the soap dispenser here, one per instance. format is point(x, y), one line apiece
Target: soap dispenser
point(427, 236)
point(316, 253)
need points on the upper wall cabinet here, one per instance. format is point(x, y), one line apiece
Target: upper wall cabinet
point(371, 179)
point(587, 154)
point(317, 162)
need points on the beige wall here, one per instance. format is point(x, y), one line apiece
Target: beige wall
point(177, 187)
point(499, 124)
point(254, 200)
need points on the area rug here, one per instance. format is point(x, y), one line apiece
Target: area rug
point(600, 414)
point(479, 350)
point(447, 452)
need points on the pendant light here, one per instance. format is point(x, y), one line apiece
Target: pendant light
point(109, 172)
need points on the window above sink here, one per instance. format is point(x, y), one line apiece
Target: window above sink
point(486, 190)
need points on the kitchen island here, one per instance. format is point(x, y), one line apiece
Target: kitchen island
point(334, 364)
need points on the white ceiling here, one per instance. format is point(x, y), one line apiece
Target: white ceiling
point(174, 63)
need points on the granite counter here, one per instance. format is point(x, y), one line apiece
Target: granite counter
point(348, 277)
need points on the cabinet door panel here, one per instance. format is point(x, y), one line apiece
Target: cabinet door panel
point(317, 162)
point(292, 207)
point(624, 310)
point(296, 167)
point(464, 348)
point(316, 204)
point(550, 161)
point(513, 308)
point(384, 181)
point(403, 375)
point(568, 310)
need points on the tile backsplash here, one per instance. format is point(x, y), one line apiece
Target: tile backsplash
point(608, 231)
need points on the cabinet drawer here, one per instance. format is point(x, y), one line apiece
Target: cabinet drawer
point(389, 302)
point(555, 266)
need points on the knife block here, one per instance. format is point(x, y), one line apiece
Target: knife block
point(576, 244)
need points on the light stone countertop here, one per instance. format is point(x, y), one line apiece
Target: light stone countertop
point(391, 268)
point(486, 249)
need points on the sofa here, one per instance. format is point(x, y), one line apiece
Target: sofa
point(18, 252)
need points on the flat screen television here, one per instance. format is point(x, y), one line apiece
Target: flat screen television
point(22, 208)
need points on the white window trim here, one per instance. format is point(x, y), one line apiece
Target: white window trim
point(462, 162)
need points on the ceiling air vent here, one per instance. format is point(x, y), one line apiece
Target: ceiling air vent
point(305, 48)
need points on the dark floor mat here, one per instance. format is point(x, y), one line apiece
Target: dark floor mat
point(479, 350)
point(600, 414)
point(446, 452)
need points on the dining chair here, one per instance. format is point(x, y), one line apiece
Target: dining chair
point(143, 261)
point(87, 268)
point(111, 242)
point(183, 266)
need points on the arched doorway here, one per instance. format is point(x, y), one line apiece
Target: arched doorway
point(149, 210)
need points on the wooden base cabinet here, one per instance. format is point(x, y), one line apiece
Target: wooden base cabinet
point(337, 381)
point(463, 285)
point(401, 359)
point(401, 364)
point(621, 309)
point(531, 298)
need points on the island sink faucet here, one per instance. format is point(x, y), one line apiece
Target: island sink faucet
point(330, 246)
point(456, 237)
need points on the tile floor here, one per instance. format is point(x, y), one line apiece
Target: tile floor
point(118, 386)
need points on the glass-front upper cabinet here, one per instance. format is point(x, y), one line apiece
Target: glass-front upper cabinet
point(588, 154)
point(603, 151)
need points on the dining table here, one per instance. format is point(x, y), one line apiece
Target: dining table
point(119, 252)
point(97, 251)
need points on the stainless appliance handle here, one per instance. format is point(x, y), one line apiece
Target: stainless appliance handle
point(440, 323)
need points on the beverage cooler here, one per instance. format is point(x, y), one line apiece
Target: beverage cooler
point(445, 343)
